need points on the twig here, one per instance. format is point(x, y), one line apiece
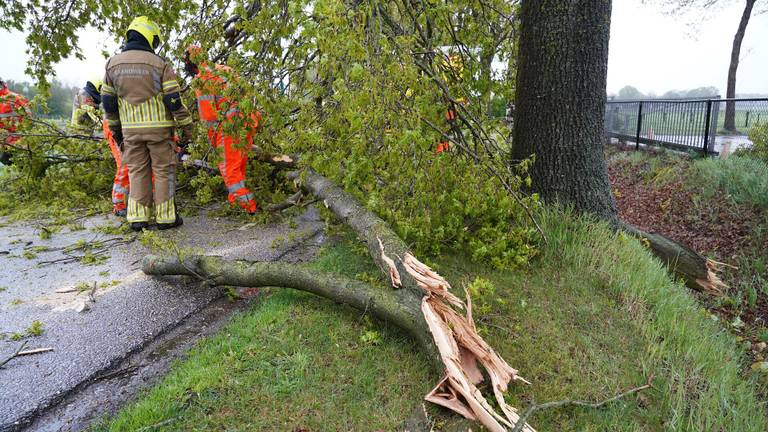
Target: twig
point(130, 370)
point(34, 351)
point(16, 354)
point(293, 200)
point(158, 424)
point(93, 291)
point(568, 402)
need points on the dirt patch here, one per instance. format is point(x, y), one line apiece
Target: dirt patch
point(714, 227)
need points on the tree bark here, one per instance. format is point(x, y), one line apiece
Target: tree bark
point(698, 272)
point(560, 102)
point(387, 305)
point(730, 92)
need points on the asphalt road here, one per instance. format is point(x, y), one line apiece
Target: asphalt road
point(130, 311)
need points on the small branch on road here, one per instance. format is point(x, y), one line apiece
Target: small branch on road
point(34, 351)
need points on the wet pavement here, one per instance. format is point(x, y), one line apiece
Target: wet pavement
point(107, 348)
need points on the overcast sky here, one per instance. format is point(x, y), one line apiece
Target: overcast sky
point(649, 50)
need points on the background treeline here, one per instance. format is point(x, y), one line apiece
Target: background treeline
point(631, 92)
point(59, 103)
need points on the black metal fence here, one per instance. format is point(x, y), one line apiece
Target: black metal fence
point(684, 124)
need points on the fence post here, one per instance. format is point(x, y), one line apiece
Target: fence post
point(639, 123)
point(706, 126)
point(746, 122)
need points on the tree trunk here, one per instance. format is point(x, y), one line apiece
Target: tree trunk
point(388, 305)
point(730, 92)
point(563, 63)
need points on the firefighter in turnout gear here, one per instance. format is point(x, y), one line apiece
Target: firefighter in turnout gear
point(215, 111)
point(142, 105)
point(14, 108)
point(86, 119)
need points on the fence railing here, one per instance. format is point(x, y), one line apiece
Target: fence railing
point(684, 124)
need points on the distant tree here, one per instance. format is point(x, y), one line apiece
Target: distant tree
point(673, 94)
point(700, 92)
point(59, 103)
point(705, 6)
point(629, 92)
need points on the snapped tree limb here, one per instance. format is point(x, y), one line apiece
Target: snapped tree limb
point(419, 301)
point(698, 272)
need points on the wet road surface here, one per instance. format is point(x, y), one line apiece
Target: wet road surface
point(135, 324)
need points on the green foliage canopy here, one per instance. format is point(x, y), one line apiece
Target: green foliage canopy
point(360, 89)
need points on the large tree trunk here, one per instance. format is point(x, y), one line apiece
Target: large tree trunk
point(730, 92)
point(561, 101)
point(560, 110)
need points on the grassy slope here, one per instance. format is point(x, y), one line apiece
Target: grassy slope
point(595, 315)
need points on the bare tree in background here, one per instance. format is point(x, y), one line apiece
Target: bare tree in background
point(678, 6)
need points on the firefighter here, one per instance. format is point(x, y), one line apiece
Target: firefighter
point(85, 108)
point(14, 108)
point(453, 71)
point(142, 105)
point(86, 118)
point(215, 111)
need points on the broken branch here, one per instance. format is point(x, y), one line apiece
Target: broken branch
point(14, 355)
point(570, 402)
point(34, 351)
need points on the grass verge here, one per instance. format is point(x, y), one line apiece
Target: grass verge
point(595, 314)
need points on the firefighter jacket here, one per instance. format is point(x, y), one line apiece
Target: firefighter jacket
point(141, 97)
point(86, 116)
point(13, 109)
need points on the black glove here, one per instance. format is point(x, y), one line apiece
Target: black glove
point(6, 158)
point(117, 135)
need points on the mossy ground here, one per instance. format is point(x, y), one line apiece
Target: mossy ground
point(594, 315)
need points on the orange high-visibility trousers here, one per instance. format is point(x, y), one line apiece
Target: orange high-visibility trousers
point(121, 184)
point(233, 169)
point(444, 145)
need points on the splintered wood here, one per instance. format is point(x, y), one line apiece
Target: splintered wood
point(713, 284)
point(461, 349)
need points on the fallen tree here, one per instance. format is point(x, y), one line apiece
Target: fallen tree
point(418, 300)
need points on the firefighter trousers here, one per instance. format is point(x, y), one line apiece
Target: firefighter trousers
point(233, 168)
point(121, 184)
point(148, 157)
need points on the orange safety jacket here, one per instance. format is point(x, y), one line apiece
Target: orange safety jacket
point(13, 109)
point(210, 101)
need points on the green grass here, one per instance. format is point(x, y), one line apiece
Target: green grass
point(596, 314)
point(743, 179)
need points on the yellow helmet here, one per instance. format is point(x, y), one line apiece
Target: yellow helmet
point(97, 82)
point(147, 28)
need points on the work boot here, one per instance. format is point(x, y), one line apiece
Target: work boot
point(138, 226)
point(177, 223)
point(120, 213)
